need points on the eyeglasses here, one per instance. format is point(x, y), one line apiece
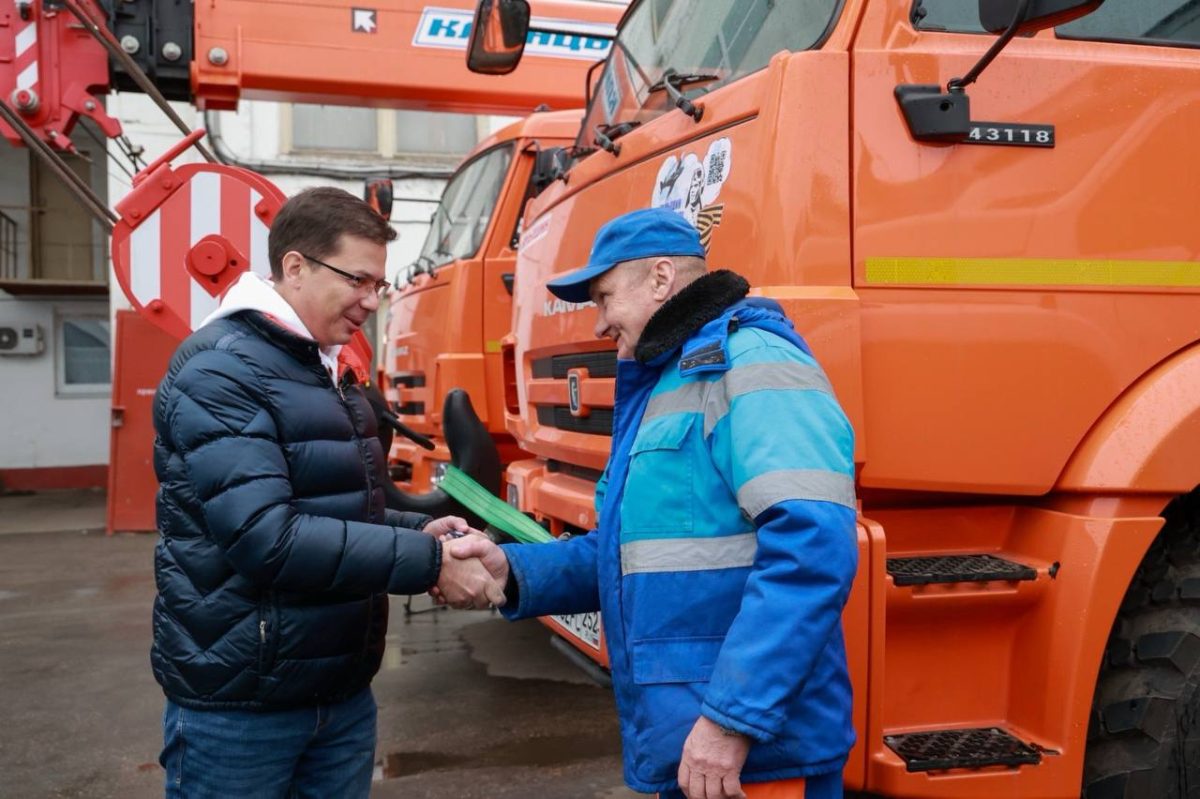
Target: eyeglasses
point(380, 287)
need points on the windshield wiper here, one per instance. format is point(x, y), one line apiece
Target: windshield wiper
point(419, 268)
point(606, 135)
point(436, 265)
point(673, 82)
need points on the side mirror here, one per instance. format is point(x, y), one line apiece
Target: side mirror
point(498, 36)
point(934, 115)
point(997, 15)
point(548, 166)
point(377, 193)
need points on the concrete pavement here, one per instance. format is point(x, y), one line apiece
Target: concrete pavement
point(470, 705)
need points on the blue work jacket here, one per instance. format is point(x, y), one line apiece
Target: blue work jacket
point(724, 553)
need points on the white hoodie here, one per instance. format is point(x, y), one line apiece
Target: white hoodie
point(252, 292)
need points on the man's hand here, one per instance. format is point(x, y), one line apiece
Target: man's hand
point(712, 762)
point(480, 546)
point(447, 524)
point(465, 581)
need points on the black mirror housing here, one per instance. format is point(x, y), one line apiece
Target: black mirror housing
point(933, 115)
point(548, 166)
point(498, 36)
point(997, 15)
point(377, 193)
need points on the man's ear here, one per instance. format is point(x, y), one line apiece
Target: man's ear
point(292, 265)
point(662, 278)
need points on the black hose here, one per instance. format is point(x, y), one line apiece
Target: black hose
point(226, 156)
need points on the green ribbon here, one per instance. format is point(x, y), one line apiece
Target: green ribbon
point(492, 509)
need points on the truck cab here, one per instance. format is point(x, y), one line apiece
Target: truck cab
point(446, 320)
point(993, 255)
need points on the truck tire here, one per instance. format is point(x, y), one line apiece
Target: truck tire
point(1144, 733)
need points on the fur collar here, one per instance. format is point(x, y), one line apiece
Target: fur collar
point(700, 302)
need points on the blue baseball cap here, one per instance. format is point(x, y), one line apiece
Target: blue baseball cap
point(647, 233)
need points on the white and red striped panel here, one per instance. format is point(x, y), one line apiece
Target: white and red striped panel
point(151, 260)
point(26, 51)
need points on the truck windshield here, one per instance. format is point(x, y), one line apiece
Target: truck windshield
point(462, 216)
point(707, 43)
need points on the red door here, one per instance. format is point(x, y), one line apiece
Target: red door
point(143, 351)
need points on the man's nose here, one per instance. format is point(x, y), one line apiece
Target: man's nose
point(371, 300)
point(601, 327)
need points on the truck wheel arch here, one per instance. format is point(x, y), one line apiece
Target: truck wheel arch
point(1143, 437)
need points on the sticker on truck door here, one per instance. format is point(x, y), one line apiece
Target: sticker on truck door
point(690, 185)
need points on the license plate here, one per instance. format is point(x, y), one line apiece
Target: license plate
point(584, 626)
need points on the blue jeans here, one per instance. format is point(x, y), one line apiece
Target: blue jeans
point(321, 751)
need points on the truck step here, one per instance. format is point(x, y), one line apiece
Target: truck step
point(956, 569)
point(971, 748)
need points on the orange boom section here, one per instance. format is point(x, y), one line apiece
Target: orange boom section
point(1000, 278)
point(388, 53)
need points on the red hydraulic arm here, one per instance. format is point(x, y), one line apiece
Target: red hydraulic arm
point(51, 72)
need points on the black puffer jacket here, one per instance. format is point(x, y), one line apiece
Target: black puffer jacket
point(276, 551)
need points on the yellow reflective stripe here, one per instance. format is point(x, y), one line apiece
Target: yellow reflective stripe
point(1031, 272)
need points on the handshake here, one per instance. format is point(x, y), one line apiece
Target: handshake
point(474, 570)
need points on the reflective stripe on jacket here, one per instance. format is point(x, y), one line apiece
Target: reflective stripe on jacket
point(724, 555)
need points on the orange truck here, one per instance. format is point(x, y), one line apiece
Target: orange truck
point(445, 324)
point(1000, 278)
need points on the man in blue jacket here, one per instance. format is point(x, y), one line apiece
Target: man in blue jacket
point(726, 543)
point(276, 553)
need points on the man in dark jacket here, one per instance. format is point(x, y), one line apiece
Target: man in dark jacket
point(276, 552)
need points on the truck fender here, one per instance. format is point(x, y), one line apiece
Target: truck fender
point(1148, 440)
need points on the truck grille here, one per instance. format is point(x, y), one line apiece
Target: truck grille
point(409, 380)
point(598, 422)
point(582, 472)
point(557, 367)
point(598, 364)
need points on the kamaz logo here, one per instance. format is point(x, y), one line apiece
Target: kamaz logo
point(448, 27)
point(555, 307)
point(573, 393)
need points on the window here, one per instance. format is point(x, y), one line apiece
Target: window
point(1165, 22)
point(712, 42)
point(947, 15)
point(63, 237)
point(1169, 22)
point(324, 127)
point(8, 247)
point(363, 132)
point(83, 356)
point(462, 216)
point(431, 133)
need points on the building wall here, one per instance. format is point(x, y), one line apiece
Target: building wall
point(50, 433)
point(44, 427)
point(14, 195)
